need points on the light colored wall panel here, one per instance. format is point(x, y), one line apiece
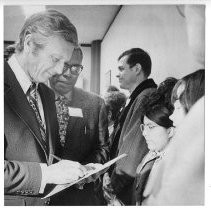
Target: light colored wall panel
point(160, 30)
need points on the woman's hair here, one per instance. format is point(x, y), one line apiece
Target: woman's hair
point(158, 105)
point(193, 88)
point(112, 88)
point(114, 101)
point(45, 24)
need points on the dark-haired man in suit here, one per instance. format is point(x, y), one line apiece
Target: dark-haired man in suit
point(134, 67)
point(83, 129)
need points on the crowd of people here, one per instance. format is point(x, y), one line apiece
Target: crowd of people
point(54, 132)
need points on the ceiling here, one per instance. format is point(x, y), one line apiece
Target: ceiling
point(91, 21)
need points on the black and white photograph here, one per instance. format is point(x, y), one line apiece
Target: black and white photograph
point(104, 103)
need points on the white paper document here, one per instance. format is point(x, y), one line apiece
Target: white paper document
point(99, 170)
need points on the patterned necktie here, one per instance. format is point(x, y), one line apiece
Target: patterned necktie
point(33, 101)
point(63, 117)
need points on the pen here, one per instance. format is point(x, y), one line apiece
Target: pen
point(57, 158)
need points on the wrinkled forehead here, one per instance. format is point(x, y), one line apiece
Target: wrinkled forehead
point(58, 47)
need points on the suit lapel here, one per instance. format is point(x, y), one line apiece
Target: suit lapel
point(17, 100)
point(146, 166)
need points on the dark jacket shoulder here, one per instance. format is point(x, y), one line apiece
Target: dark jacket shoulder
point(86, 99)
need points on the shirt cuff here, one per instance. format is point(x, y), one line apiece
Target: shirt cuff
point(44, 179)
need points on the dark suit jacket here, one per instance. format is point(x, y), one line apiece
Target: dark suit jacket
point(86, 142)
point(133, 143)
point(23, 147)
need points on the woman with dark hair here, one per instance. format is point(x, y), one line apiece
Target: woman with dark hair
point(157, 129)
point(185, 93)
point(112, 88)
point(179, 178)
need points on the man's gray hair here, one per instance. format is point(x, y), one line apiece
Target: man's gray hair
point(47, 23)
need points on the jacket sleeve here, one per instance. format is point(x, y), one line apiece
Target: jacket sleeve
point(101, 152)
point(22, 178)
point(119, 182)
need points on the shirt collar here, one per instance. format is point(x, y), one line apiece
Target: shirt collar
point(148, 83)
point(160, 155)
point(63, 97)
point(21, 76)
point(148, 157)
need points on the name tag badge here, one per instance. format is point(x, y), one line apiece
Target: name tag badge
point(75, 112)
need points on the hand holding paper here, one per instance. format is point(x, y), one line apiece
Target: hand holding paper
point(96, 172)
point(89, 167)
point(63, 172)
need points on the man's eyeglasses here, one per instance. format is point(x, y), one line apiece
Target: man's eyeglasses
point(75, 69)
point(148, 127)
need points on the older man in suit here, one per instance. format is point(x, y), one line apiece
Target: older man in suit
point(83, 129)
point(45, 44)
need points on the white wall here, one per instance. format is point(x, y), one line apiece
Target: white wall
point(13, 14)
point(158, 29)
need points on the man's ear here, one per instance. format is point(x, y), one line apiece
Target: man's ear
point(170, 132)
point(138, 68)
point(28, 43)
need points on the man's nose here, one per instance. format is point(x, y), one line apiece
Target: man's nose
point(61, 71)
point(117, 75)
point(59, 68)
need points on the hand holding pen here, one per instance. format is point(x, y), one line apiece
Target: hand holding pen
point(65, 171)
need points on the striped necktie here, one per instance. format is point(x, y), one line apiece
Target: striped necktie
point(33, 101)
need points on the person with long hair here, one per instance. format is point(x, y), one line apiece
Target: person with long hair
point(185, 93)
point(179, 178)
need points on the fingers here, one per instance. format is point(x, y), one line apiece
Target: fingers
point(106, 180)
point(80, 185)
point(83, 170)
point(94, 165)
point(91, 178)
point(64, 172)
point(77, 168)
